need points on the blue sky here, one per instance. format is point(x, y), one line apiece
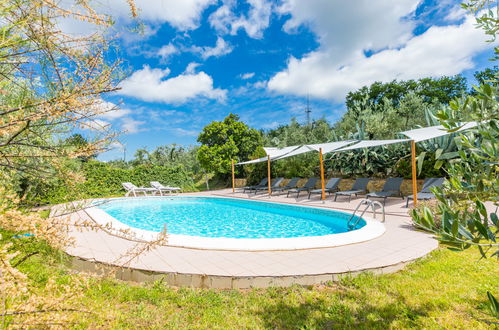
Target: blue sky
point(198, 60)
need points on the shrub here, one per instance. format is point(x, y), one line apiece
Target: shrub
point(103, 180)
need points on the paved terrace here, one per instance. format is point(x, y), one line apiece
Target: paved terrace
point(100, 251)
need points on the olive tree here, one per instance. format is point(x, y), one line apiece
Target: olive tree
point(461, 219)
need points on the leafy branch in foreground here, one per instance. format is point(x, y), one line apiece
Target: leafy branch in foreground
point(51, 84)
point(461, 219)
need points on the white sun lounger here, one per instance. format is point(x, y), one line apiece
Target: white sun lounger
point(160, 188)
point(133, 189)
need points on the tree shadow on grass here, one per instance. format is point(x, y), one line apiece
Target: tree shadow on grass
point(352, 311)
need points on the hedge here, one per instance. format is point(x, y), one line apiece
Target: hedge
point(103, 180)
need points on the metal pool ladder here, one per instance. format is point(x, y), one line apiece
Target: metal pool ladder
point(353, 222)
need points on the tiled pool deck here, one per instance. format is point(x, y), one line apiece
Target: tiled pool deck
point(100, 251)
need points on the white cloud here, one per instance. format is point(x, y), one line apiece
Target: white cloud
point(221, 48)
point(271, 125)
point(167, 51)
point(183, 15)
point(186, 132)
point(248, 75)
point(116, 145)
point(111, 111)
point(149, 84)
point(455, 14)
point(225, 20)
point(191, 67)
point(345, 32)
point(131, 125)
point(346, 28)
point(260, 84)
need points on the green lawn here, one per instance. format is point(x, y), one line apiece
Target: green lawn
point(445, 290)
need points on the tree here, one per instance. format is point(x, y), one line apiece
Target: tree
point(224, 141)
point(51, 84)
point(486, 76)
point(383, 120)
point(442, 89)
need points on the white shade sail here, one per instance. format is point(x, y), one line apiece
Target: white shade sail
point(281, 153)
point(326, 147)
point(278, 152)
point(426, 133)
point(297, 151)
point(274, 153)
point(253, 161)
point(330, 146)
point(371, 143)
point(419, 134)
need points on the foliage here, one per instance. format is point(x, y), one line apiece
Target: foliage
point(62, 92)
point(474, 176)
point(455, 299)
point(103, 180)
point(222, 142)
point(440, 90)
point(169, 155)
point(487, 76)
point(383, 120)
point(305, 165)
point(380, 161)
point(51, 85)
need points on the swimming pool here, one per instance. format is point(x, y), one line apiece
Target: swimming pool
point(228, 223)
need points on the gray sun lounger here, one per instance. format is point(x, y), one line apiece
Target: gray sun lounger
point(426, 193)
point(391, 188)
point(309, 185)
point(359, 187)
point(273, 184)
point(292, 184)
point(331, 187)
point(262, 183)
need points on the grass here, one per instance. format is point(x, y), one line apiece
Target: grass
point(444, 290)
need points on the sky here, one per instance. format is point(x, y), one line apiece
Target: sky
point(196, 61)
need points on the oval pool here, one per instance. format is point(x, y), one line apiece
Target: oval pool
point(229, 223)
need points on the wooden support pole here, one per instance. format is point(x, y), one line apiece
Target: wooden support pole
point(233, 178)
point(323, 192)
point(414, 173)
point(268, 174)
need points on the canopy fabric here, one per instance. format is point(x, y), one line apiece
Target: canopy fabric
point(280, 153)
point(426, 133)
point(277, 152)
point(297, 151)
point(330, 146)
point(253, 161)
point(371, 143)
point(274, 153)
point(419, 134)
point(326, 147)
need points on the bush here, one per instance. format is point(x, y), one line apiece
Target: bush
point(103, 180)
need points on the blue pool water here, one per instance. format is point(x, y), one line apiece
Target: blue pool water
point(226, 217)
